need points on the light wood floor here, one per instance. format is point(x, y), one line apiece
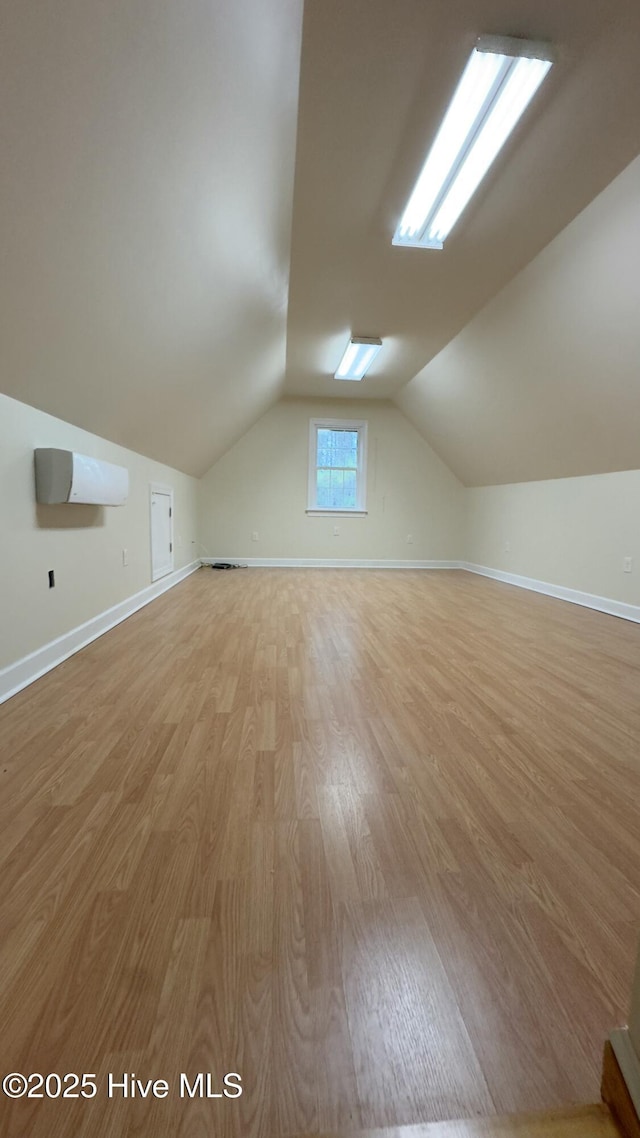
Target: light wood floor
point(368, 838)
point(576, 1122)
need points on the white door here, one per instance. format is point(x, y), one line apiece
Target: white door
point(161, 532)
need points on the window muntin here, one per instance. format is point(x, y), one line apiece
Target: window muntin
point(337, 455)
point(336, 468)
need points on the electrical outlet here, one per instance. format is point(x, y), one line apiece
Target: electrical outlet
point(627, 564)
point(336, 531)
point(125, 557)
point(52, 579)
point(254, 535)
point(507, 546)
point(409, 539)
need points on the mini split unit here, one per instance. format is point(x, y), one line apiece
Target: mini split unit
point(64, 476)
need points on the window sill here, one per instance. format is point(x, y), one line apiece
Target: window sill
point(316, 513)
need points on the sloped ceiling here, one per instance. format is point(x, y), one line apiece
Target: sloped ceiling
point(545, 381)
point(148, 154)
point(376, 77)
point(165, 277)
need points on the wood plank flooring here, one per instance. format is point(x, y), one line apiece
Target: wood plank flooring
point(369, 839)
point(579, 1122)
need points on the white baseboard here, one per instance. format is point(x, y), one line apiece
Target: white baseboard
point(574, 596)
point(327, 563)
point(629, 1064)
point(19, 675)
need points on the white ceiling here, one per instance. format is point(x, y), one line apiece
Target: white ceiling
point(376, 77)
point(165, 277)
point(544, 382)
point(147, 170)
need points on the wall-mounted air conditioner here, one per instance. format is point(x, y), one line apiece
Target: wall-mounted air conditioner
point(64, 476)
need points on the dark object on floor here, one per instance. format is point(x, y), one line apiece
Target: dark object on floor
point(224, 565)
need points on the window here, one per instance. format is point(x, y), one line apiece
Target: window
point(337, 466)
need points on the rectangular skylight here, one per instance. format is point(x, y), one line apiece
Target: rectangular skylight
point(498, 83)
point(358, 356)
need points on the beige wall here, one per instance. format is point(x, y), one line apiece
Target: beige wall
point(543, 381)
point(573, 532)
point(261, 485)
point(83, 544)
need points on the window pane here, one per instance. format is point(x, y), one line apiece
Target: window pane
point(324, 447)
point(338, 451)
point(337, 448)
point(323, 499)
point(349, 489)
point(336, 489)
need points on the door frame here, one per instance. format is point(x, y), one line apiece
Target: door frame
point(160, 488)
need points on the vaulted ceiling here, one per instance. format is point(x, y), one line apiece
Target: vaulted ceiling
point(198, 202)
point(148, 160)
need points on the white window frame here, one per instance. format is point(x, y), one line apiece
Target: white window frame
point(359, 425)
